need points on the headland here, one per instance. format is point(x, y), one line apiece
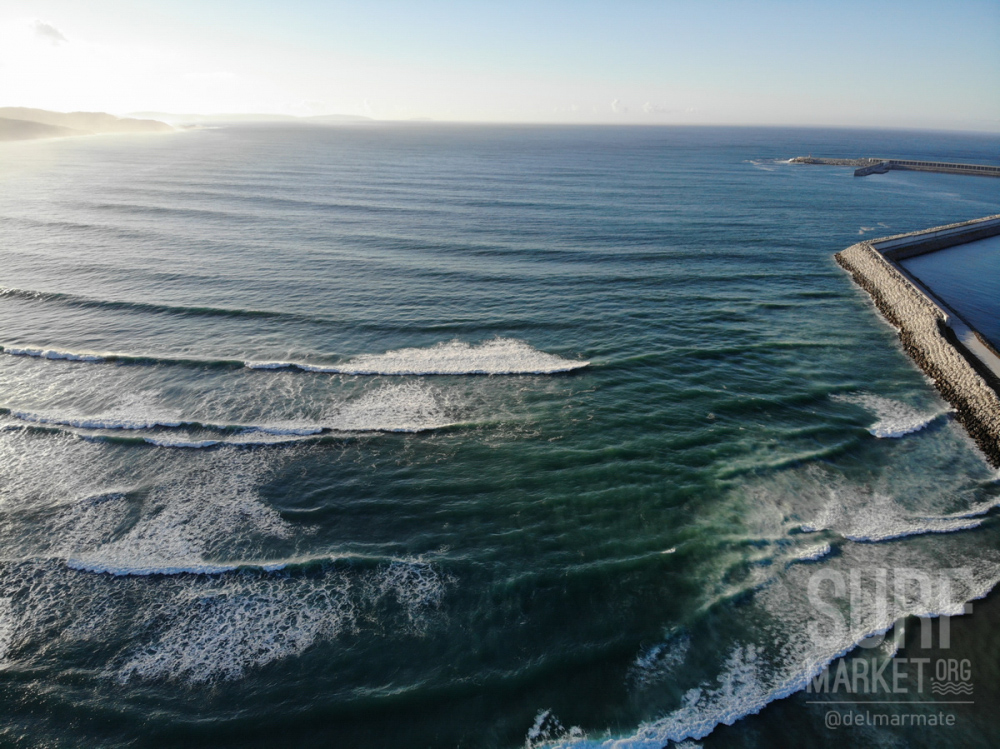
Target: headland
point(24, 123)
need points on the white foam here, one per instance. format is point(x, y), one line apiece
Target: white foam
point(780, 652)
point(93, 422)
point(659, 661)
point(396, 407)
point(497, 356)
point(183, 523)
point(221, 631)
point(53, 354)
point(813, 553)
point(8, 626)
point(218, 629)
point(500, 356)
point(547, 729)
point(181, 442)
point(401, 407)
point(416, 586)
point(750, 680)
point(861, 514)
point(140, 410)
point(895, 418)
point(239, 440)
point(269, 364)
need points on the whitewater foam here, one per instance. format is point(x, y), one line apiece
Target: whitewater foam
point(133, 411)
point(52, 354)
point(185, 524)
point(813, 553)
point(895, 418)
point(221, 628)
point(500, 356)
point(752, 675)
point(861, 514)
point(548, 729)
point(222, 631)
point(407, 407)
point(401, 407)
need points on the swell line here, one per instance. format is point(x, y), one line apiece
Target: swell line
point(154, 307)
point(499, 356)
point(176, 433)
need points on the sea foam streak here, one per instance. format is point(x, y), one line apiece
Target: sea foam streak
point(895, 418)
point(499, 356)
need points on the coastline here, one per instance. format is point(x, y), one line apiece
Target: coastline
point(937, 340)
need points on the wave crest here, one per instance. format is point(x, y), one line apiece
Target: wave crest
point(499, 356)
point(895, 418)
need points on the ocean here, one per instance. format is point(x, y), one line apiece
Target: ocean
point(429, 435)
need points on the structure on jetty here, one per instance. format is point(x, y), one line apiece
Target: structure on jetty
point(962, 364)
point(868, 166)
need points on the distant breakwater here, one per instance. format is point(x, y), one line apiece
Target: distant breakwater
point(925, 324)
point(868, 165)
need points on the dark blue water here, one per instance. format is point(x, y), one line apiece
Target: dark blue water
point(458, 436)
point(967, 278)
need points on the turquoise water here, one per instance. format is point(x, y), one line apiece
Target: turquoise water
point(459, 436)
point(967, 278)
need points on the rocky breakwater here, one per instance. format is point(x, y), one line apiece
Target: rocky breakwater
point(926, 337)
point(835, 162)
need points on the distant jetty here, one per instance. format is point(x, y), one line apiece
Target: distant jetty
point(962, 364)
point(869, 165)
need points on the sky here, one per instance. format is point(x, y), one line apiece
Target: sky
point(913, 64)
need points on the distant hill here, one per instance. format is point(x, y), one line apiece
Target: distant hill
point(25, 130)
point(335, 119)
point(221, 119)
point(41, 123)
point(213, 119)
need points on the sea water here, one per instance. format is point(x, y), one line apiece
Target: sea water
point(441, 435)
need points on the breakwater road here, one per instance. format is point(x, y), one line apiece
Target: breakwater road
point(866, 166)
point(926, 331)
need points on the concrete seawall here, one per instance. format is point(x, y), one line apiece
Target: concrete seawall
point(980, 170)
point(931, 333)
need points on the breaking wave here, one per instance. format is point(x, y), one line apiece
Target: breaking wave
point(754, 674)
point(872, 516)
point(499, 356)
point(406, 407)
point(895, 418)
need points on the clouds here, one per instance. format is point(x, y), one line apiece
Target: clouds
point(48, 32)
